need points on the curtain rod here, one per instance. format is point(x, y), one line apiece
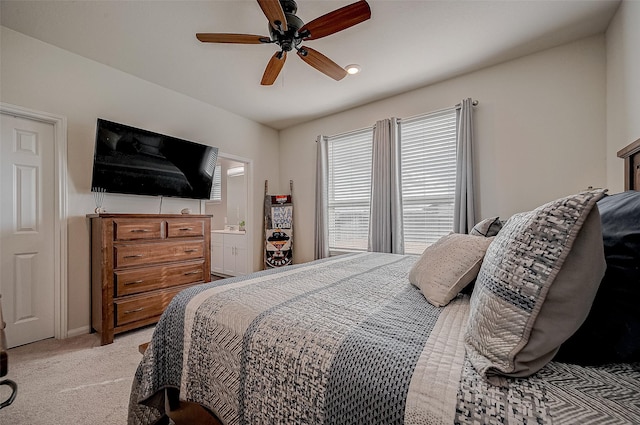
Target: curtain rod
point(456, 106)
point(348, 133)
point(473, 102)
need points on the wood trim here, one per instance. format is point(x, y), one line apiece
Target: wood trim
point(630, 149)
point(152, 216)
point(631, 156)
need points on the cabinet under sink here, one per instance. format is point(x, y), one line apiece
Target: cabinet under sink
point(229, 252)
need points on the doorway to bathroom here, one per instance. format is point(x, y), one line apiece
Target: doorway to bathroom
point(230, 206)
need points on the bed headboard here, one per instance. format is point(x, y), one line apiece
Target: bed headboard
point(631, 156)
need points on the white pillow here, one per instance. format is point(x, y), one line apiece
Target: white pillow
point(448, 265)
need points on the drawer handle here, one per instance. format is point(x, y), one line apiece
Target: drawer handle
point(140, 230)
point(190, 250)
point(185, 228)
point(134, 311)
point(134, 282)
point(134, 256)
point(192, 272)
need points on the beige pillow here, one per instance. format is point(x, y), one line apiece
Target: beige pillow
point(447, 266)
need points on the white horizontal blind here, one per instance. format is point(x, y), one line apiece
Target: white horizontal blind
point(428, 152)
point(349, 190)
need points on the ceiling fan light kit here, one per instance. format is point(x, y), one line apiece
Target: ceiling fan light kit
point(288, 32)
point(353, 69)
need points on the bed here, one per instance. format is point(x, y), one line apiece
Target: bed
point(364, 338)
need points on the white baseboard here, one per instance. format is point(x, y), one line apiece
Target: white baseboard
point(78, 331)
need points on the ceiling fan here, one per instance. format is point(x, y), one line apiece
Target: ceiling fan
point(288, 31)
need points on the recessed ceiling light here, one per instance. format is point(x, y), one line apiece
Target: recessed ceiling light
point(353, 68)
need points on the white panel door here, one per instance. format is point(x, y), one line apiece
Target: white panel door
point(27, 229)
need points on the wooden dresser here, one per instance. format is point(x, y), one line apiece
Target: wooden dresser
point(139, 262)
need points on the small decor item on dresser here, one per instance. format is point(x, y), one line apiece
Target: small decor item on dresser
point(98, 197)
point(242, 226)
point(185, 211)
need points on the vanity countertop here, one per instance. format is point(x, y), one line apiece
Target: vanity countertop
point(233, 232)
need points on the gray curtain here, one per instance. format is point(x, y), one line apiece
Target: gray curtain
point(464, 213)
point(385, 219)
point(321, 249)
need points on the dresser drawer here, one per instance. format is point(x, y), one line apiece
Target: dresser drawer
point(126, 255)
point(129, 282)
point(183, 228)
point(143, 306)
point(126, 230)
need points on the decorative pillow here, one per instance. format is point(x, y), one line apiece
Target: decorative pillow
point(535, 287)
point(487, 227)
point(611, 333)
point(447, 266)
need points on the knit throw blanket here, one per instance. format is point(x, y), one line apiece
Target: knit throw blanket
point(349, 340)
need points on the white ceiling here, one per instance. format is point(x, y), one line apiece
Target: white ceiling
point(405, 45)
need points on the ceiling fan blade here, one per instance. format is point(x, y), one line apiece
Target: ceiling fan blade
point(232, 38)
point(272, 9)
point(335, 21)
point(273, 68)
point(322, 63)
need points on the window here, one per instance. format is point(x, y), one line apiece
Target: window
point(428, 169)
point(349, 190)
point(216, 186)
point(428, 152)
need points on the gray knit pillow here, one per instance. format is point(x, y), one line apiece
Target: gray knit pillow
point(536, 286)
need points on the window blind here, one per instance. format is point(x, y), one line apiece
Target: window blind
point(216, 187)
point(428, 155)
point(349, 190)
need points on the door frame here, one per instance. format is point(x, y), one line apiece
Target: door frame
point(248, 172)
point(60, 280)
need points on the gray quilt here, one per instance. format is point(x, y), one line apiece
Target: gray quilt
point(350, 340)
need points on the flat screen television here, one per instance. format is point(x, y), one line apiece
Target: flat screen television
point(130, 160)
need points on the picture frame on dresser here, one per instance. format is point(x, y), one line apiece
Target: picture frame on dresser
point(139, 262)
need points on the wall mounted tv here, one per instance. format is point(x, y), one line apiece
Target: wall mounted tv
point(130, 160)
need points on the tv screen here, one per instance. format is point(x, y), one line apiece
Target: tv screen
point(130, 160)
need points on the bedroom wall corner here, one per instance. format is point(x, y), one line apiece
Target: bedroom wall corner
point(623, 88)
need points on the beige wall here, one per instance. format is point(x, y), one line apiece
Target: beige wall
point(623, 87)
point(42, 77)
point(540, 131)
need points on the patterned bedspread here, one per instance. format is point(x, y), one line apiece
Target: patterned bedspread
point(350, 340)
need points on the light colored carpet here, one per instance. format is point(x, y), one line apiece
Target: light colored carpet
point(73, 381)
